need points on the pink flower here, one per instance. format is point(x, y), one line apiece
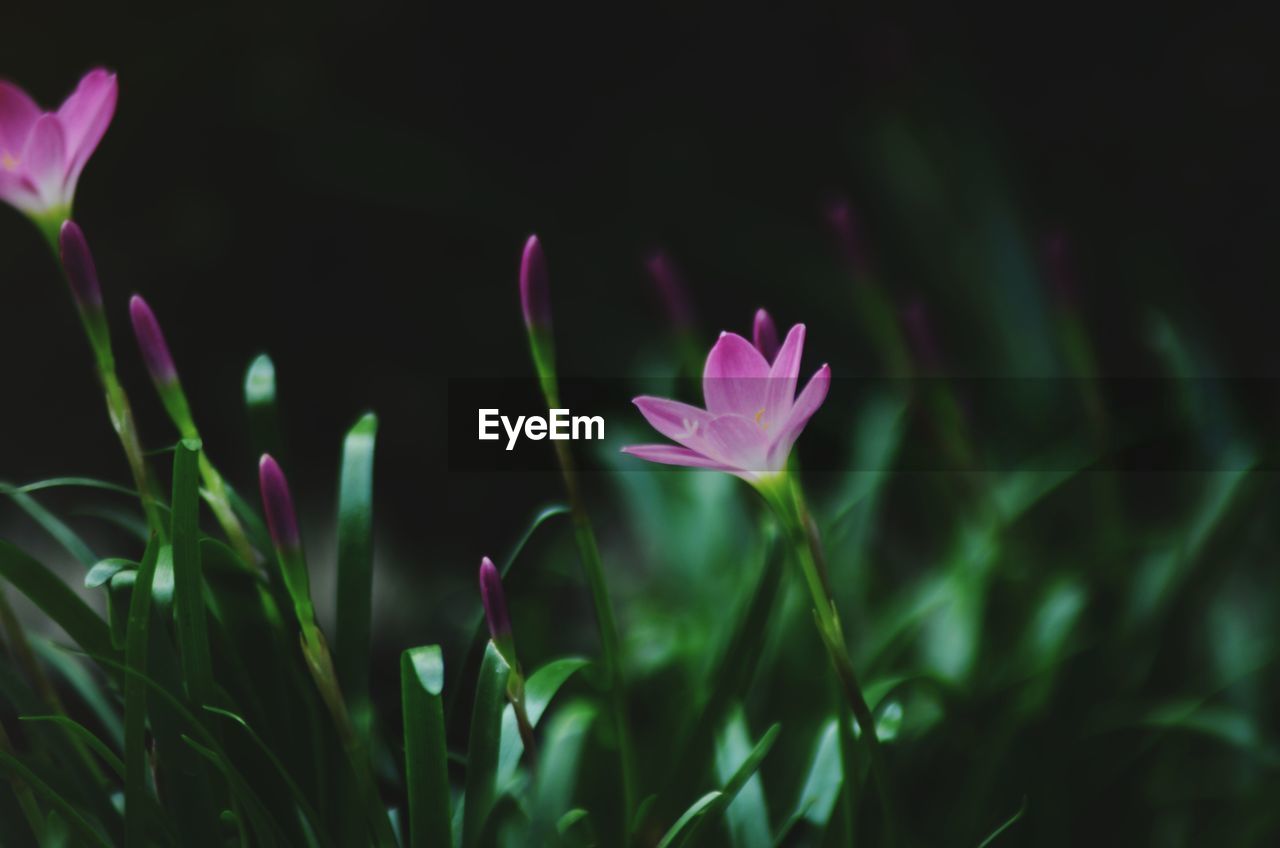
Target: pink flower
point(753, 415)
point(43, 153)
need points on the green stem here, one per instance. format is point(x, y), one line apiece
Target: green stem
point(787, 498)
point(126, 428)
point(593, 568)
point(215, 494)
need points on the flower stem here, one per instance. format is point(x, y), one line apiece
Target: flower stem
point(123, 423)
point(593, 568)
point(787, 499)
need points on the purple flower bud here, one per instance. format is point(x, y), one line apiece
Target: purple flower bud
point(77, 261)
point(535, 292)
point(155, 352)
point(671, 289)
point(282, 521)
point(847, 230)
point(495, 601)
point(765, 335)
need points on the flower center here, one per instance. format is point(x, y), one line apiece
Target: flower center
point(8, 161)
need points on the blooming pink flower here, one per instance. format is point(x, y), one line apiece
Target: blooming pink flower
point(752, 417)
point(43, 153)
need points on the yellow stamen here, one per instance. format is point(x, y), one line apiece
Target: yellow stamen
point(8, 161)
point(760, 415)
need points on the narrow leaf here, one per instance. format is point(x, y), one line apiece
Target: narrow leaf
point(135, 701)
point(189, 612)
point(355, 572)
point(56, 599)
point(482, 749)
point(425, 747)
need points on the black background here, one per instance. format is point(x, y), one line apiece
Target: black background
point(348, 187)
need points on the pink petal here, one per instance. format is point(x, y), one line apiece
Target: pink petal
point(678, 421)
point(805, 406)
point(735, 377)
point(782, 377)
point(85, 116)
point(15, 189)
point(738, 442)
point(18, 113)
point(44, 158)
point(672, 455)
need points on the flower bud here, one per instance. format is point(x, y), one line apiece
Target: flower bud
point(277, 501)
point(535, 292)
point(765, 335)
point(77, 261)
point(495, 601)
point(151, 343)
point(671, 288)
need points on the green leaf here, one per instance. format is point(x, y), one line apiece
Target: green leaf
point(355, 572)
point(311, 818)
point(53, 525)
point(1007, 824)
point(189, 612)
point(135, 701)
point(81, 680)
point(686, 827)
point(76, 729)
point(264, 824)
point(89, 833)
point(748, 815)
point(104, 570)
point(425, 747)
point(483, 746)
point(56, 599)
point(260, 400)
point(558, 768)
point(681, 830)
point(69, 482)
point(539, 689)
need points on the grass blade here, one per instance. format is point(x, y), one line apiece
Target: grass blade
point(264, 825)
point(260, 400)
point(53, 525)
point(188, 589)
point(687, 826)
point(483, 747)
point(558, 768)
point(56, 599)
point(748, 815)
point(76, 729)
point(355, 572)
point(135, 701)
point(425, 747)
point(91, 835)
point(312, 818)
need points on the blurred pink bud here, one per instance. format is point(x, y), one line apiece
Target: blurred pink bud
point(277, 502)
point(495, 601)
point(671, 288)
point(155, 352)
point(535, 291)
point(77, 261)
point(765, 335)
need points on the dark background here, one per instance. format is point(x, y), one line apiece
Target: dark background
point(348, 187)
